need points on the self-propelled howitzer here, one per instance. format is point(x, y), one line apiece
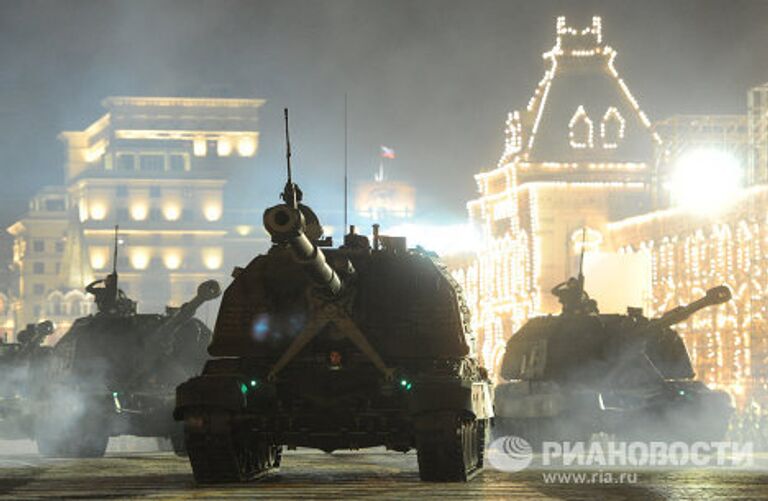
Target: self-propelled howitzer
point(574, 374)
point(115, 373)
point(20, 364)
point(337, 348)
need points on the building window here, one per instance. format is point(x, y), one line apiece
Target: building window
point(58, 267)
point(38, 268)
point(122, 191)
point(177, 163)
point(122, 214)
point(581, 133)
point(212, 147)
point(155, 192)
point(152, 163)
point(126, 161)
point(38, 289)
point(59, 247)
point(612, 128)
point(38, 246)
point(55, 205)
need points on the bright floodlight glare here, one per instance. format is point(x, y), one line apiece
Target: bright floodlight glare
point(443, 239)
point(705, 180)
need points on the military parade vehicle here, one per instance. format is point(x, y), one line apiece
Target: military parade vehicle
point(17, 362)
point(581, 372)
point(337, 348)
point(115, 373)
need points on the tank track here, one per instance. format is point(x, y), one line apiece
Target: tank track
point(226, 456)
point(452, 453)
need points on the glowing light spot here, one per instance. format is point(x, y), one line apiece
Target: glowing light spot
point(98, 257)
point(443, 239)
point(199, 147)
point(171, 212)
point(261, 327)
point(139, 211)
point(705, 180)
point(243, 230)
point(212, 212)
point(172, 260)
point(224, 147)
point(98, 211)
point(139, 258)
point(246, 146)
point(212, 258)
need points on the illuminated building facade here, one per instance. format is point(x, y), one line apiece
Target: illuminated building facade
point(156, 167)
point(690, 253)
point(579, 155)
point(757, 118)
point(534, 206)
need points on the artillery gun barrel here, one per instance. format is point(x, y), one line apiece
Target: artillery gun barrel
point(163, 335)
point(715, 295)
point(206, 291)
point(285, 225)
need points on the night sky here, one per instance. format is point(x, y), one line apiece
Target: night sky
point(431, 79)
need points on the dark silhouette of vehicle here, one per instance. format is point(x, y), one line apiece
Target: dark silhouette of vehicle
point(581, 372)
point(346, 348)
point(17, 361)
point(115, 373)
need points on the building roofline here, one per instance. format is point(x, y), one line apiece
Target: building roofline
point(197, 102)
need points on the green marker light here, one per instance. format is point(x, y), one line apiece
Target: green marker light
point(243, 388)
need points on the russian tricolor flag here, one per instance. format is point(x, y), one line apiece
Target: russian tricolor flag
point(387, 153)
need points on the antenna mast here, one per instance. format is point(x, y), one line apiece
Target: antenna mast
point(289, 194)
point(346, 154)
point(114, 254)
point(581, 258)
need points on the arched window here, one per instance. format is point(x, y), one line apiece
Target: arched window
point(612, 128)
point(580, 130)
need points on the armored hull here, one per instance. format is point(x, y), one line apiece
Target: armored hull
point(571, 375)
point(116, 375)
point(343, 348)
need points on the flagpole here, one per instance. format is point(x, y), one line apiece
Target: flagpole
point(346, 155)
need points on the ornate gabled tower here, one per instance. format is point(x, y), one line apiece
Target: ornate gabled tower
point(581, 113)
point(579, 155)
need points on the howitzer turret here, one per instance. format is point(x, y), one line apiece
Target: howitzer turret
point(122, 367)
point(287, 224)
point(581, 372)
